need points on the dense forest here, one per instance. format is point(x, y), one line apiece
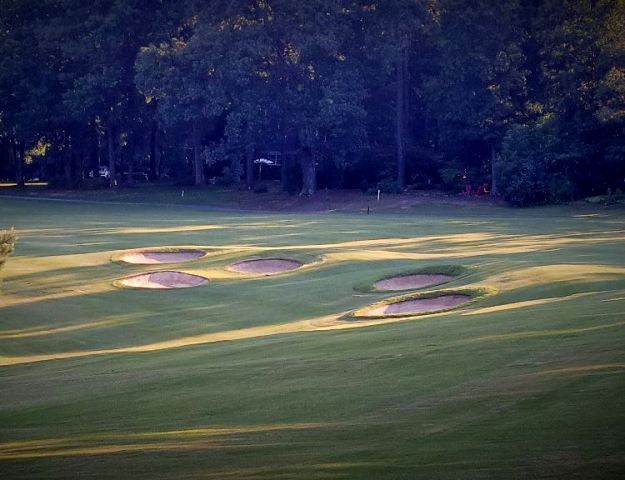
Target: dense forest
point(522, 99)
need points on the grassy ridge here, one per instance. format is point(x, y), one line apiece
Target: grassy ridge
point(525, 383)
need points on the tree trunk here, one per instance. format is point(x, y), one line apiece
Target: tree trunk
point(236, 169)
point(399, 120)
point(157, 154)
point(68, 160)
point(111, 154)
point(18, 152)
point(283, 162)
point(94, 150)
point(309, 174)
point(198, 165)
point(249, 165)
point(493, 172)
point(132, 145)
point(153, 153)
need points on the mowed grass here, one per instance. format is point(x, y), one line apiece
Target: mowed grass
point(262, 378)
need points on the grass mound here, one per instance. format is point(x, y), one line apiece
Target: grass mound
point(266, 266)
point(160, 256)
point(413, 279)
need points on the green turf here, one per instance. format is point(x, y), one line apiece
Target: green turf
point(525, 383)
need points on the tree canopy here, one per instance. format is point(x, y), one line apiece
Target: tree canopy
point(524, 98)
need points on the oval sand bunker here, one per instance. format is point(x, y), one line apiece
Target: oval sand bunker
point(157, 257)
point(411, 282)
point(266, 266)
point(163, 280)
point(420, 305)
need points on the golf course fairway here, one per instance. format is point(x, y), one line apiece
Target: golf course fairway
point(268, 377)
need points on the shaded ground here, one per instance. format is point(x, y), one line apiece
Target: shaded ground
point(233, 199)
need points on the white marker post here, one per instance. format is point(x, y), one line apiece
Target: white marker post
point(378, 194)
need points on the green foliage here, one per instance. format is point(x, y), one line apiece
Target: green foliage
point(533, 167)
point(451, 178)
point(387, 185)
point(7, 244)
point(227, 177)
point(204, 84)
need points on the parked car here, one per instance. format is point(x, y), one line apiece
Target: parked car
point(104, 171)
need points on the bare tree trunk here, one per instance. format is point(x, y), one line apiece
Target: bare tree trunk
point(493, 172)
point(132, 148)
point(153, 153)
point(198, 165)
point(283, 160)
point(399, 120)
point(68, 160)
point(18, 153)
point(157, 153)
point(249, 165)
point(111, 154)
point(236, 169)
point(79, 161)
point(94, 150)
point(309, 174)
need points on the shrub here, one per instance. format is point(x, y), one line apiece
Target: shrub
point(60, 182)
point(451, 178)
point(260, 188)
point(7, 244)
point(387, 185)
point(95, 183)
point(227, 178)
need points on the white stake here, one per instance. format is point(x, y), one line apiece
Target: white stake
point(378, 194)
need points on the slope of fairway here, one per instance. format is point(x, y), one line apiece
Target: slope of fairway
point(256, 377)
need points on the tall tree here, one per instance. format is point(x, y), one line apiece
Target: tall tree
point(28, 88)
point(479, 88)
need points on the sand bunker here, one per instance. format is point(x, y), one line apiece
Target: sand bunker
point(420, 305)
point(158, 257)
point(163, 280)
point(411, 282)
point(265, 266)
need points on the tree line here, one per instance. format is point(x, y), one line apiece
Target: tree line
point(525, 99)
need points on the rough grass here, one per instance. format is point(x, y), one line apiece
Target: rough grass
point(258, 378)
point(7, 244)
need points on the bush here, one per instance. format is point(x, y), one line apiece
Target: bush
point(260, 188)
point(533, 167)
point(387, 185)
point(451, 178)
point(95, 183)
point(60, 182)
point(227, 178)
point(7, 244)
